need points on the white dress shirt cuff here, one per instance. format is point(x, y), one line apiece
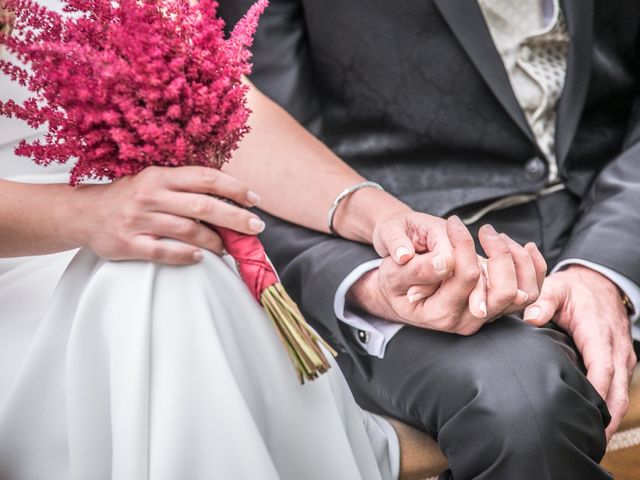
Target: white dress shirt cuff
point(371, 332)
point(629, 287)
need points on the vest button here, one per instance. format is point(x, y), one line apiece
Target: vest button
point(535, 169)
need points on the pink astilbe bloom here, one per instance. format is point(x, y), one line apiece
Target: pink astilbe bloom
point(126, 84)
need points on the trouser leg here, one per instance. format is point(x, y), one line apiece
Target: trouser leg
point(507, 403)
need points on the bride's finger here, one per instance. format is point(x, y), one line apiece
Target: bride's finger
point(146, 247)
point(206, 180)
point(209, 210)
point(186, 230)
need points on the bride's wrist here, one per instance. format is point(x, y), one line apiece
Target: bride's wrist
point(75, 216)
point(358, 215)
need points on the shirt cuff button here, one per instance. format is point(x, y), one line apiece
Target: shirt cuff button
point(363, 336)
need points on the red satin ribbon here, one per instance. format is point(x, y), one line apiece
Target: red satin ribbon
point(251, 259)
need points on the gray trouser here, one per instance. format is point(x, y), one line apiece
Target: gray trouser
point(507, 403)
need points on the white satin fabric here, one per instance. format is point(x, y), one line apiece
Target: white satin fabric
point(134, 371)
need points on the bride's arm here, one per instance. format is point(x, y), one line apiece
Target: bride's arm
point(127, 218)
point(34, 219)
point(298, 177)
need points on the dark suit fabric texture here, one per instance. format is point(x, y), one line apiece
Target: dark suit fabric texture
point(414, 96)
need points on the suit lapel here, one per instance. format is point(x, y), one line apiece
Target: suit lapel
point(465, 18)
point(579, 17)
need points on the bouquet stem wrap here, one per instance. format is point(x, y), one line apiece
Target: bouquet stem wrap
point(302, 343)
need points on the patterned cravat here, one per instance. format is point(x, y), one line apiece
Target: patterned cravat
point(535, 57)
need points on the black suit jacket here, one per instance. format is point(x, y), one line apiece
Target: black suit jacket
point(414, 95)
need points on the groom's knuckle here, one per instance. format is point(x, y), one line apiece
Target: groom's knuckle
point(419, 271)
point(534, 294)
point(608, 369)
point(470, 274)
point(623, 401)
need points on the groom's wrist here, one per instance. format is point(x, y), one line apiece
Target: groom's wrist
point(366, 295)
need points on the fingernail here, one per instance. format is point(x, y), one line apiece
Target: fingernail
point(440, 263)
point(253, 198)
point(489, 230)
point(416, 297)
point(483, 308)
point(402, 253)
point(256, 225)
point(455, 220)
point(198, 256)
point(485, 270)
point(532, 313)
point(522, 296)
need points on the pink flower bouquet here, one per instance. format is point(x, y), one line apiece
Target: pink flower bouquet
point(122, 85)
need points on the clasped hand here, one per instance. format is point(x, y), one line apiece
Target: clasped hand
point(432, 278)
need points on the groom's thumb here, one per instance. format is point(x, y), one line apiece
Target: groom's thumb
point(545, 307)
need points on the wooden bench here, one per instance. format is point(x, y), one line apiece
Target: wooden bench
point(421, 459)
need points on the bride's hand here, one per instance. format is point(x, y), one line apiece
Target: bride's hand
point(126, 219)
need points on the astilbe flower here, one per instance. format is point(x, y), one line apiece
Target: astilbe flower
point(126, 84)
point(122, 85)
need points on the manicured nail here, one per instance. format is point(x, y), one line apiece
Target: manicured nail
point(440, 263)
point(483, 308)
point(532, 313)
point(256, 225)
point(402, 254)
point(198, 256)
point(416, 297)
point(253, 198)
point(489, 230)
point(522, 296)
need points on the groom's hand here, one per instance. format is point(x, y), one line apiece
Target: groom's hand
point(589, 307)
point(382, 292)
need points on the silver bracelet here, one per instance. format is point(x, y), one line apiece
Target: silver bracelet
point(344, 194)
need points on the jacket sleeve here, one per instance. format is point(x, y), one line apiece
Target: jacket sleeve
point(608, 229)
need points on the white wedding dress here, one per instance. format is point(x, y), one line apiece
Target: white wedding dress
point(134, 371)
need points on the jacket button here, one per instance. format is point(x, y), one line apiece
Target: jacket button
point(535, 169)
point(363, 336)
